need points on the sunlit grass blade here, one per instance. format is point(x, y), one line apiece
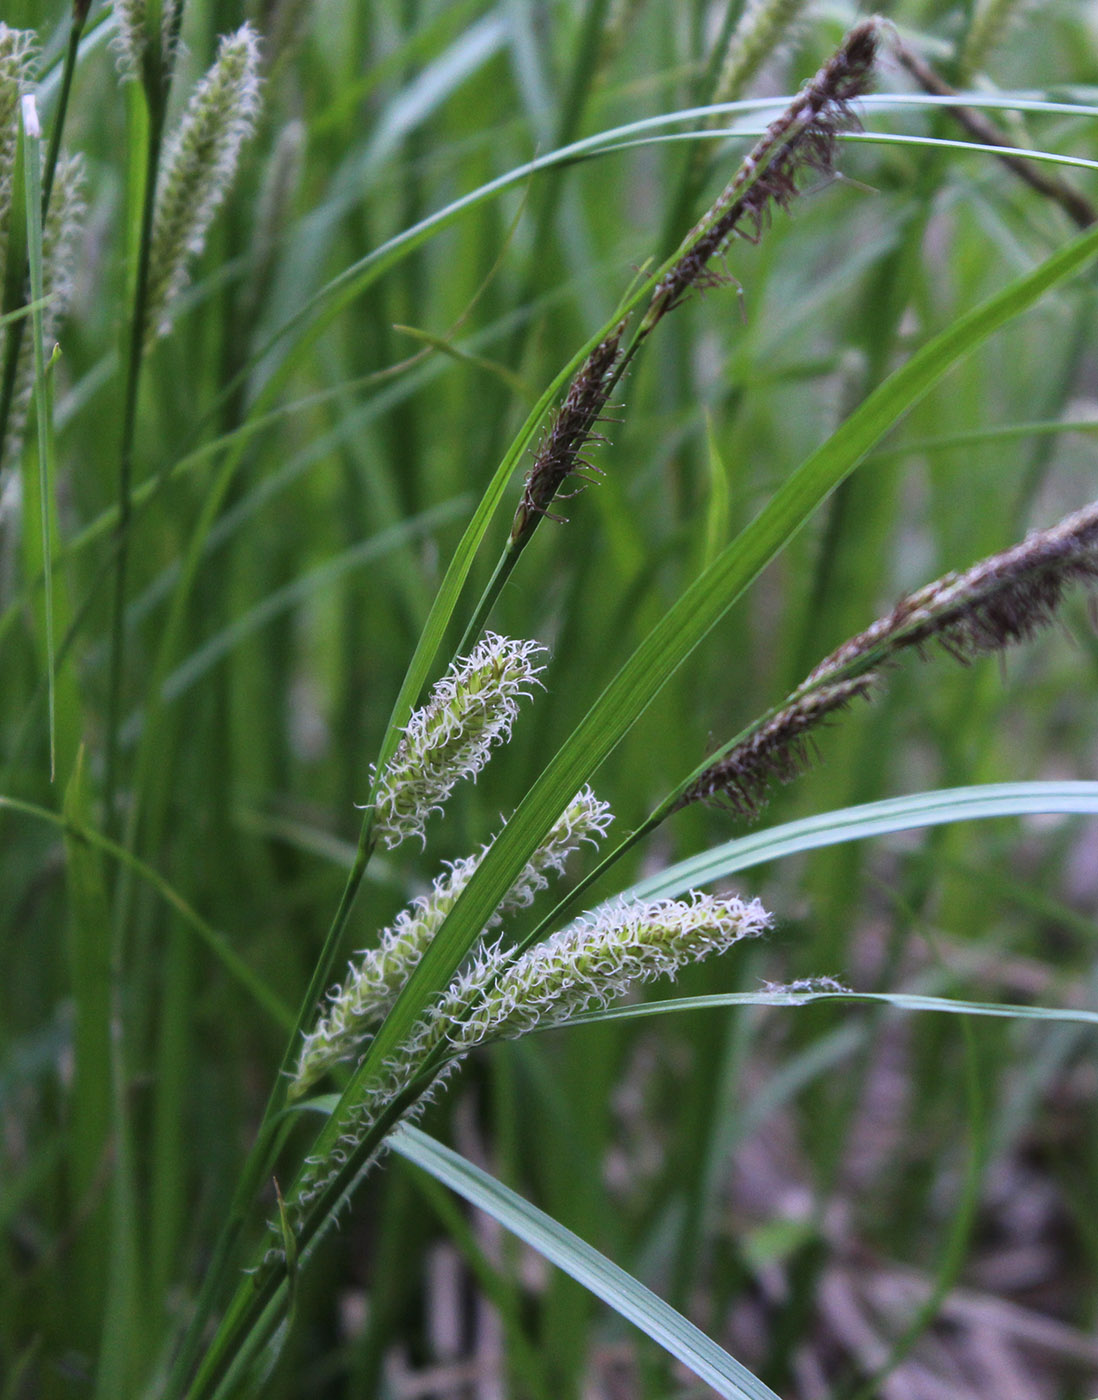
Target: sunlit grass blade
point(586, 1265)
point(794, 997)
point(917, 810)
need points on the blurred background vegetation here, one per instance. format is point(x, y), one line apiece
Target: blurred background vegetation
point(827, 1191)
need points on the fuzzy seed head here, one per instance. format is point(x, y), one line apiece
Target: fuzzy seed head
point(560, 454)
point(470, 710)
point(584, 966)
point(198, 169)
point(377, 979)
point(17, 47)
point(132, 37)
point(802, 138)
point(597, 959)
point(760, 29)
point(60, 237)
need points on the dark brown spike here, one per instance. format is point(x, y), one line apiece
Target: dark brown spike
point(803, 137)
point(571, 431)
point(780, 750)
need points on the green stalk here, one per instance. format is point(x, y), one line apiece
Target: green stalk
point(271, 1132)
point(116, 664)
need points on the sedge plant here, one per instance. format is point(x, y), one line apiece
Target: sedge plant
point(542, 924)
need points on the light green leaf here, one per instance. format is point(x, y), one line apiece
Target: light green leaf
point(921, 809)
point(587, 1266)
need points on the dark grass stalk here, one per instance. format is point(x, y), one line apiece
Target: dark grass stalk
point(16, 330)
point(803, 137)
point(137, 338)
point(1050, 185)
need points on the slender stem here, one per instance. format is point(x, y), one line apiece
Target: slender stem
point(125, 464)
point(68, 71)
point(500, 574)
point(271, 1132)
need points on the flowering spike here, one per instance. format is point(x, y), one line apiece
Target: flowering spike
point(999, 601)
point(777, 751)
point(802, 137)
point(198, 168)
point(16, 55)
point(470, 709)
point(596, 960)
point(758, 32)
point(586, 965)
point(59, 237)
point(131, 40)
point(379, 977)
point(560, 453)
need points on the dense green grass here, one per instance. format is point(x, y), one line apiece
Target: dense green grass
point(326, 452)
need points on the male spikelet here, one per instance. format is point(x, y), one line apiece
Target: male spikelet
point(803, 137)
point(199, 165)
point(1002, 600)
point(561, 454)
point(470, 710)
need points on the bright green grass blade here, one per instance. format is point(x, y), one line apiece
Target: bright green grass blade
point(920, 809)
point(871, 138)
point(587, 1266)
point(791, 996)
point(32, 171)
point(686, 624)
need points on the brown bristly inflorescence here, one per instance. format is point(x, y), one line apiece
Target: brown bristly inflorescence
point(1003, 599)
point(778, 751)
point(802, 138)
point(559, 455)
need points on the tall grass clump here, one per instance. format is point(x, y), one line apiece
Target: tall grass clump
point(438, 444)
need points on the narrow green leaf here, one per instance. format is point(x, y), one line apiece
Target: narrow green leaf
point(921, 809)
point(900, 1001)
point(586, 1265)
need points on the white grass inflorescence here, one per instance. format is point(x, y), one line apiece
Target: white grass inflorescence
point(471, 709)
point(16, 55)
point(586, 965)
point(376, 979)
point(199, 165)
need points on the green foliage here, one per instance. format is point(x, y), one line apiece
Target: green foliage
point(318, 311)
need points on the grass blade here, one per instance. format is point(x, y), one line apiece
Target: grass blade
point(587, 1266)
point(921, 809)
